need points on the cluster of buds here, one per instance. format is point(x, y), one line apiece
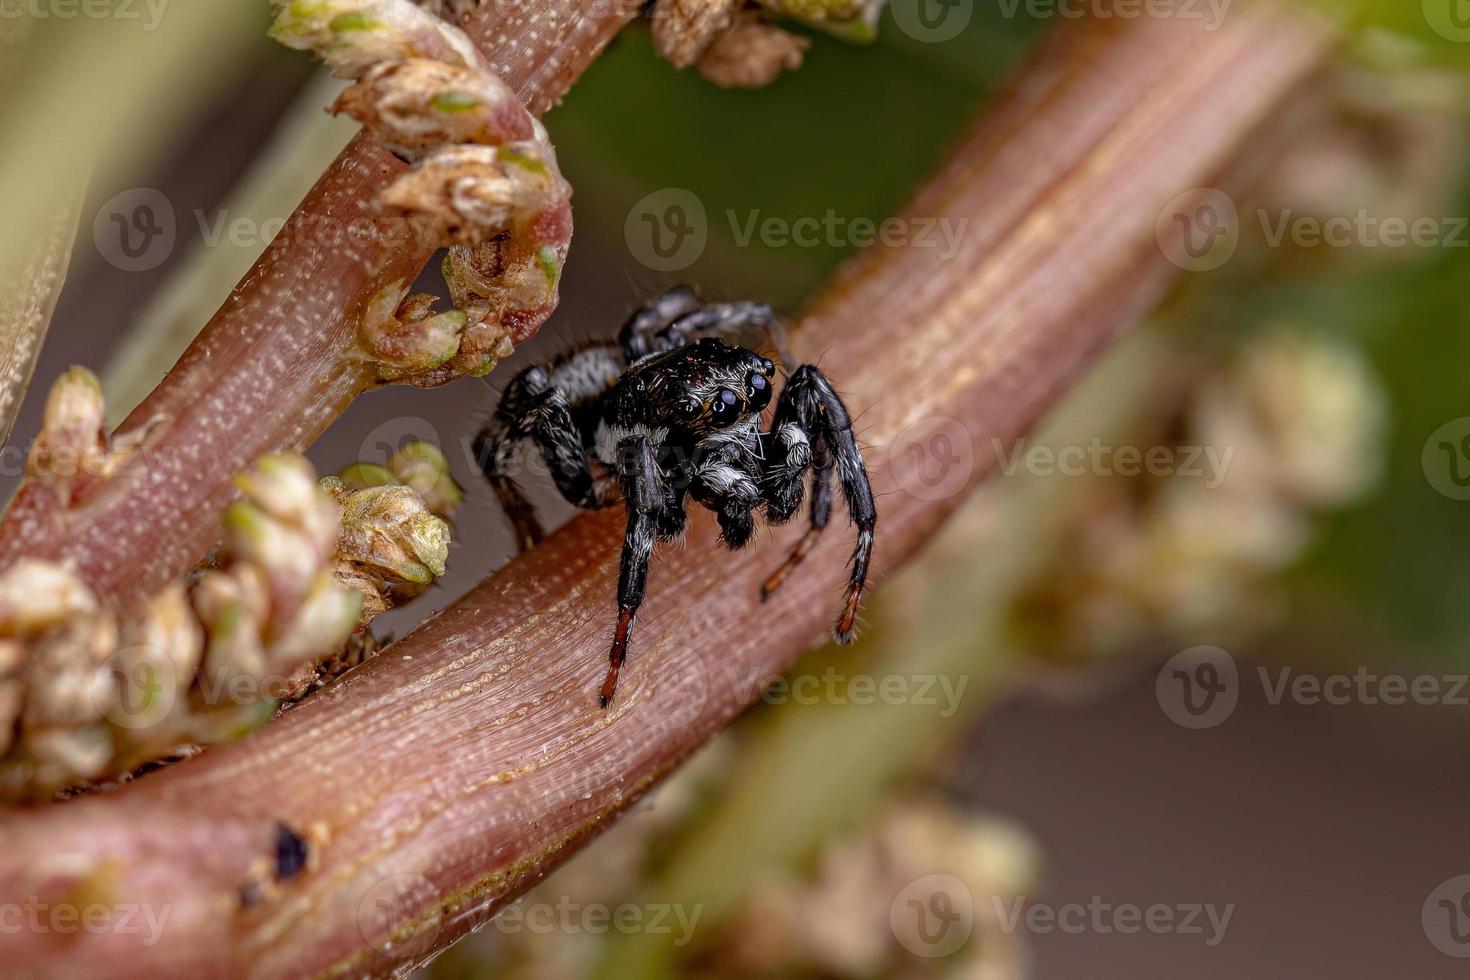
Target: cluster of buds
point(395, 539)
point(732, 43)
point(853, 916)
point(1295, 426)
point(90, 692)
point(484, 183)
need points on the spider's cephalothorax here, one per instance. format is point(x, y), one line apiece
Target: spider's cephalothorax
point(672, 411)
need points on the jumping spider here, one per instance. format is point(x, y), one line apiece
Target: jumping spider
point(671, 410)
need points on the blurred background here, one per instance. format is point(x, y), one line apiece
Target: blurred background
point(1180, 692)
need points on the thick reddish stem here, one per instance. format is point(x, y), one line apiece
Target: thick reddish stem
point(275, 365)
point(455, 770)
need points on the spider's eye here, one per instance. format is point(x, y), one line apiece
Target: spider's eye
point(691, 409)
point(758, 387)
point(724, 408)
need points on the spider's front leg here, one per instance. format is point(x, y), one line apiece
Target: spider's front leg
point(533, 409)
point(811, 430)
point(644, 496)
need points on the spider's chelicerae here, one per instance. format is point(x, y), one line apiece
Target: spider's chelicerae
point(671, 411)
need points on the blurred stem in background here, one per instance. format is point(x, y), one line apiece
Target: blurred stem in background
point(304, 144)
point(89, 98)
point(26, 305)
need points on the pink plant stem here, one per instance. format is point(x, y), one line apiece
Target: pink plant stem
point(276, 364)
point(458, 768)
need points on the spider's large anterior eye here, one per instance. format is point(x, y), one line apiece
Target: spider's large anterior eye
point(758, 389)
point(724, 408)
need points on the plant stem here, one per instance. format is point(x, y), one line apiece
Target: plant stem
point(275, 366)
point(455, 770)
point(26, 306)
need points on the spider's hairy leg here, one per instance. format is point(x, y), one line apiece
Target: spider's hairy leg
point(644, 498)
point(744, 324)
point(811, 427)
point(494, 449)
point(821, 512)
point(534, 409)
point(641, 332)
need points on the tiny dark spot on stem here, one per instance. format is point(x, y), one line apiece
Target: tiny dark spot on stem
point(292, 851)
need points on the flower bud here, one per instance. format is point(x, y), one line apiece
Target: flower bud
point(414, 106)
point(353, 35)
point(469, 194)
point(36, 596)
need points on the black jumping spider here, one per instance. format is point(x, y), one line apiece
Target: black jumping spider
point(670, 410)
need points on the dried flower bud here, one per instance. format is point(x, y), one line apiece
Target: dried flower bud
point(390, 530)
point(323, 622)
point(164, 646)
point(36, 596)
point(352, 36)
point(232, 606)
point(286, 527)
point(684, 29)
point(69, 686)
point(72, 443)
point(417, 105)
point(60, 756)
point(405, 339)
point(751, 54)
point(851, 20)
point(283, 486)
point(12, 691)
point(422, 466)
point(466, 195)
